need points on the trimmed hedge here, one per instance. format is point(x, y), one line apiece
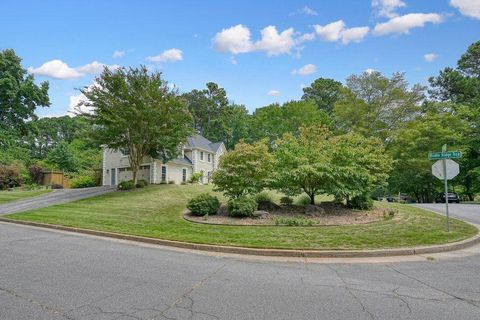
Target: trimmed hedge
point(241, 207)
point(82, 182)
point(203, 204)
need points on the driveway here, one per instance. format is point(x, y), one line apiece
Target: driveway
point(48, 274)
point(53, 198)
point(467, 212)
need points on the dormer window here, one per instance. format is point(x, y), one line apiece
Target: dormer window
point(125, 152)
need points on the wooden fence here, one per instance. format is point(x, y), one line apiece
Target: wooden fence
point(55, 177)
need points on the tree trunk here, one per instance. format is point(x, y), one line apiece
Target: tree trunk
point(312, 198)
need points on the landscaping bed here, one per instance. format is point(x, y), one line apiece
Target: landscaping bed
point(157, 212)
point(325, 214)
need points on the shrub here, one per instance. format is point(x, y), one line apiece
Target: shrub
point(195, 178)
point(363, 202)
point(84, 181)
point(141, 183)
point(389, 214)
point(203, 204)
point(31, 186)
point(286, 201)
point(126, 185)
point(294, 222)
point(241, 207)
point(303, 200)
point(264, 200)
point(36, 174)
point(9, 176)
point(171, 182)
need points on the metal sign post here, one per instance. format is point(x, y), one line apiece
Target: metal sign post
point(445, 169)
point(444, 162)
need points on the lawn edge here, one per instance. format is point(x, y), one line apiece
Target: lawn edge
point(304, 253)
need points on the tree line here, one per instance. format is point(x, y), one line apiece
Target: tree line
point(407, 120)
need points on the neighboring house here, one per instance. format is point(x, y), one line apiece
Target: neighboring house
point(197, 155)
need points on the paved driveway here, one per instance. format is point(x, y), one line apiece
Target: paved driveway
point(467, 212)
point(52, 198)
point(50, 275)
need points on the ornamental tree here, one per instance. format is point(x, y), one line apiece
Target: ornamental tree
point(244, 170)
point(135, 110)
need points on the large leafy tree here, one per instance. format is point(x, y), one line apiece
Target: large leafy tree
point(324, 93)
point(19, 95)
point(134, 109)
point(244, 170)
point(274, 120)
point(375, 105)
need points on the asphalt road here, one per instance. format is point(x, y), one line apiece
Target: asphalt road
point(52, 198)
point(467, 212)
point(52, 275)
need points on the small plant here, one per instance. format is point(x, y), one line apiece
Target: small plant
point(389, 214)
point(303, 200)
point(241, 207)
point(141, 183)
point(36, 174)
point(264, 201)
point(171, 182)
point(126, 185)
point(363, 202)
point(203, 204)
point(183, 183)
point(205, 217)
point(31, 186)
point(196, 177)
point(83, 182)
point(286, 201)
point(294, 222)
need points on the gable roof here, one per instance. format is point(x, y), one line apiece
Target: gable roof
point(199, 142)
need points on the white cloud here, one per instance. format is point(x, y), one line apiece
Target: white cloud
point(273, 93)
point(56, 69)
point(403, 24)
point(306, 37)
point(77, 106)
point(429, 57)
point(170, 55)
point(274, 43)
point(118, 54)
point(370, 70)
point(387, 8)
point(470, 8)
point(305, 70)
point(237, 39)
point(337, 31)
point(96, 67)
point(354, 34)
point(233, 60)
point(233, 40)
point(306, 11)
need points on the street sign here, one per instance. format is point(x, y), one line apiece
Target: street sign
point(452, 169)
point(444, 155)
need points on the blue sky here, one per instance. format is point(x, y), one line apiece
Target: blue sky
point(259, 51)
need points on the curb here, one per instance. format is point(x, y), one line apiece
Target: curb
point(305, 253)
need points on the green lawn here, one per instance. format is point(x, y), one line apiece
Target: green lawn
point(9, 196)
point(157, 212)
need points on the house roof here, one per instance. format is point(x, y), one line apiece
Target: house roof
point(185, 161)
point(199, 142)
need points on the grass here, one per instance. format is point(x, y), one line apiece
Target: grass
point(156, 212)
point(9, 196)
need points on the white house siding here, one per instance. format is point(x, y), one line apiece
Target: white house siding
point(203, 165)
point(116, 160)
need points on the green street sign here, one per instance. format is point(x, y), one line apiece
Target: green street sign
point(444, 155)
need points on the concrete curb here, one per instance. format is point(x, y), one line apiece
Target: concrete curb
point(264, 252)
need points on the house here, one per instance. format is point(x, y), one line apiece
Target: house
point(197, 155)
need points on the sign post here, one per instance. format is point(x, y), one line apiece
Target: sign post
point(449, 170)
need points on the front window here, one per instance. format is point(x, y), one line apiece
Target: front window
point(164, 174)
point(184, 175)
point(201, 155)
point(209, 157)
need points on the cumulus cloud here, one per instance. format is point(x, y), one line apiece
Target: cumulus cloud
point(387, 8)
point(56, 69)
point(469, 8)
point(237, 39)
point(305, 10)
point(337, 31)
point(429, 57)
point(273, 93)
point(78, 103)
point(170, 55)
point(403, 24)
point(233, 40)
point(305, 70)
point(118, 54)
point(370, 70)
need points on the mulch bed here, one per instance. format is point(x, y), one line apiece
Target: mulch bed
point(326, 214)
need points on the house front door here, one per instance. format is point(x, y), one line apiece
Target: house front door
point(113, 177)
